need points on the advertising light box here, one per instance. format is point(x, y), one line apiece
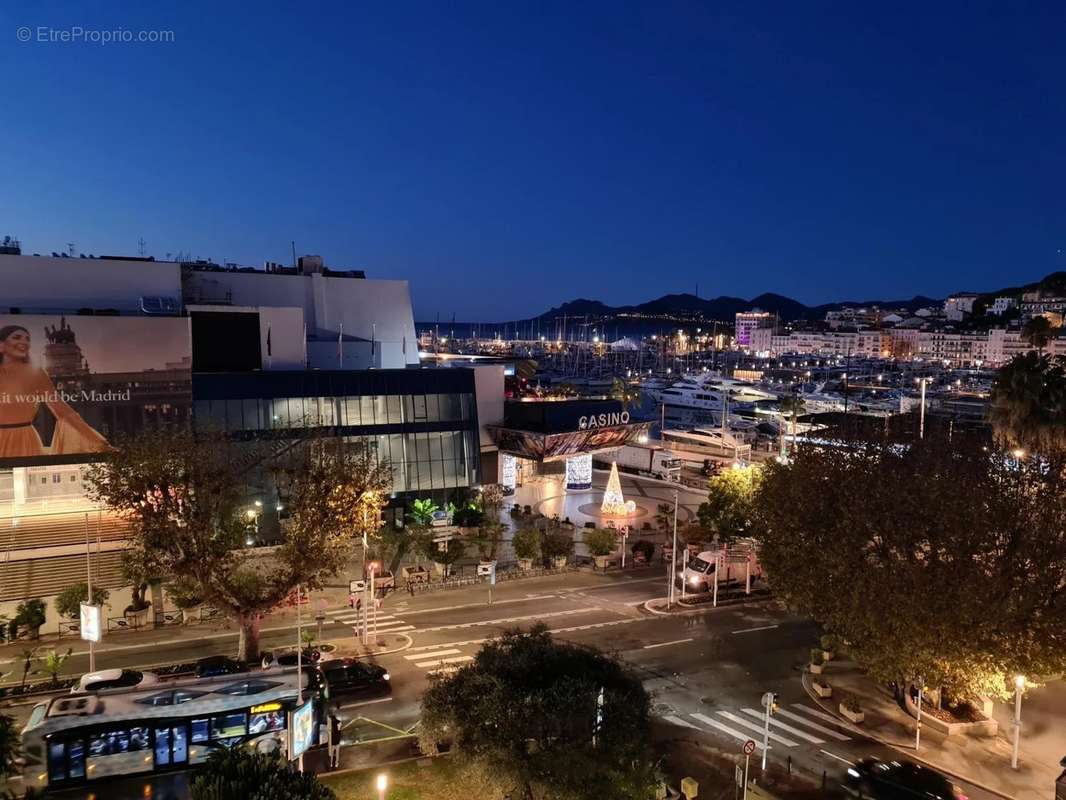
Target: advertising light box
point(71, 385)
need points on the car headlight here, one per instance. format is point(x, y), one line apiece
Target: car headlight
point(694, 580)
point(853, 772)
point(386, 677)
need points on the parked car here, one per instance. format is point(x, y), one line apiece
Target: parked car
point(350, 678)
point(698, 574)
point(105, 679)
point(898, 780)
point(287, 658)
point(211, 666)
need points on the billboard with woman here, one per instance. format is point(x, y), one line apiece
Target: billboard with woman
point(70, 385)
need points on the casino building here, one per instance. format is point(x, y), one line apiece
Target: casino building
point(100, 347)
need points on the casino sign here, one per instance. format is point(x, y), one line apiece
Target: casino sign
point(550, 430)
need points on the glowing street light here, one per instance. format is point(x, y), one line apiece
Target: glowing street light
point(383, 784)
point(1019, 688)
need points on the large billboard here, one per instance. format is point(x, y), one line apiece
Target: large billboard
point(69, 385)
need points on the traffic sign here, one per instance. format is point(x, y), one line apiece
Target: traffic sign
point(749, 747)
point(356, 587)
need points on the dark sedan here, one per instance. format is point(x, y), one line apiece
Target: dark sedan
point(349, 678)
point(898, 780)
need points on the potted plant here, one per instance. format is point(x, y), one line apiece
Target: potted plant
point(852, 710)
point(822, 689)
point(817, 661)
point(643, 551)
point(68, 602)
point(828, 646)
point(136, 613)
point(188, 597)
point(557, 545)
point(29, 617)
point(526, 544)
point(601, 543)
point(53, 663)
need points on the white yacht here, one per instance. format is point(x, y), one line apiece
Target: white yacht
point(702, 398)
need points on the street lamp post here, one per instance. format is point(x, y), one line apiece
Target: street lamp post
point(673, 559)
point(1019, 687)
point(921, 413)
point(918, 727)
point(299, 661)
point(383, 784)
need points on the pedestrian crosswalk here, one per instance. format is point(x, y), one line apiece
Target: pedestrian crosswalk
point(438, 659)
point(789, 727)
point(385, 623)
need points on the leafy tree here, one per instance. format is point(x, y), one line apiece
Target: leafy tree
point(10, 747)
point(664, 516)
point(68, 602)
point(556, 543)
point(491, 501)
point(935, 558)
point(185, 593)
point(422, 511)
point(456, 549)
point(31, 614)
point(624, 393)
point(730, 502)
point(526, 543)
point(601, 541)
point(53, 663)
point(240, 772)
point(1037, 332)
point(551, 719)
point(1028, 408)
point(185, 493)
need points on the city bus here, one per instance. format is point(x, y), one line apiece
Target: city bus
point(88, 737)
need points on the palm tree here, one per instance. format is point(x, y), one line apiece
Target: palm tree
point(10, 747)
point(53, 663)
point(1037, 332)
point(792, 404)
point(1028, 408)
point(422, 512)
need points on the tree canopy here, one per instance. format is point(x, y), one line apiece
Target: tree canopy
point(238, 772)
point(730, 502)
point(1028, 408)
point(552, 719)
point(187, 496)
point(939, 558)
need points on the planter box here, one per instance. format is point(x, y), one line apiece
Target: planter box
point(816, 669)
point(560, 562)
point(525, 564)
point(191, 614)
point(985, 727)
point(822, 689)
point(601, 561)
point(852, 716)
point(138, 619)
point(828, 655)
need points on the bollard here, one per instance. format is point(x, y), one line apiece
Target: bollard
point(790, 765)
point(823, 779)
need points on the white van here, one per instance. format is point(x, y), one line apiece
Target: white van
point(699, 572)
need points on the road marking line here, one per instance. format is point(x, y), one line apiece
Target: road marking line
point(390, 628)
point(834, 755)
point(608, 586)
point(752, 630)
point(818, 714)
point(480, 605)
point(367, 702)
point(678, 721)
point(666, 644)
point(804, 721)
point(508, 620)
point(739, 720)
point(446, 644)
point(423, 656)
point(441, 661)
point(794, 731)
point(743, 737)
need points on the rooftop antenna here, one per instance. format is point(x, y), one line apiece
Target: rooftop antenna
point(294, 254)
point(140, 246)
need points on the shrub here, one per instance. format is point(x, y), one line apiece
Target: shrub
point(557, 543)
point(30, 613)
point(526, 543)
point(828, 642)
point(68, 602)
point(851, 703)
point(239, 772)
point(816, 655)
point(601, 541)
point(645, 547)
point(185, 594)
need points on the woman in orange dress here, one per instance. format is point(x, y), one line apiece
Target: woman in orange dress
point(23, 388)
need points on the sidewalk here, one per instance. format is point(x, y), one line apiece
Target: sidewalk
point(984, 761)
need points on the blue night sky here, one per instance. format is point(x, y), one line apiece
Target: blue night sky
point(506, 157)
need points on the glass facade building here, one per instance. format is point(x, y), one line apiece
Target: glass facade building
point(423, 422)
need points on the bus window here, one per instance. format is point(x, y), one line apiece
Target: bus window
point(76, 758)
point(181, 751)
point(57, 761)
point(224, 726)
point(199, 730)
point(162, 746)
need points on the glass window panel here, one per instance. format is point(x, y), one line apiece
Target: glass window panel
point(351, 411)
point(450, 408)
point(269, 721)
point(251, 415)
point(162, 746)
point(432, 408)
point(57, 761)
point(76, 758)
point(393, 402)
point(199, 730)
point(419, 405)
point(422, 447)
point(223, 726)
point(234, 415)
point(366, 410)
point(381, 413)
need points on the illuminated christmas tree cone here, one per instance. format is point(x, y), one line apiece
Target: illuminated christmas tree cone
point(614, 505)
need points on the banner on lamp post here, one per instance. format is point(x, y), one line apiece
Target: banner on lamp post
point(90, 626)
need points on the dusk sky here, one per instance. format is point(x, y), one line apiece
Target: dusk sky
point(507, 157)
